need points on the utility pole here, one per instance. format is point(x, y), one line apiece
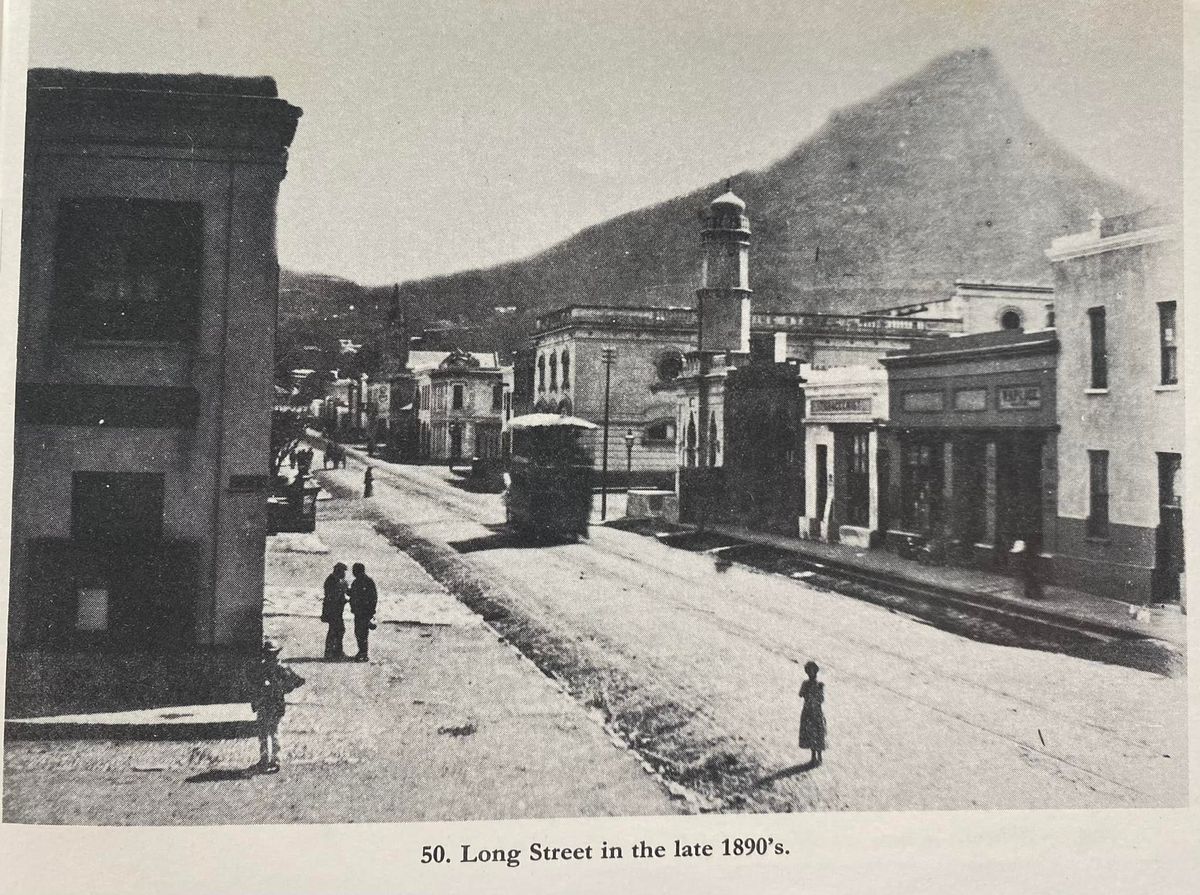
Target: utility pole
point(608, 355)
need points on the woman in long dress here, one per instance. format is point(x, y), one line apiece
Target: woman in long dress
point(812, 716)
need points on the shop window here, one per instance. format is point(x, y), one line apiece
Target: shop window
point(456, 401)
point(1097, 521)
point(127, 269)
point(566, 370)
point(1168, 343)
point(1098, 326)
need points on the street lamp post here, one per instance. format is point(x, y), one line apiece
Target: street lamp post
point(629, 439)
point(607, 355)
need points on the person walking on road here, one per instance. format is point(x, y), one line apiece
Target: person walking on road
point(368, 482)
point(363, 601)
point(812, 716)
point(272, 682)
point(333, 608)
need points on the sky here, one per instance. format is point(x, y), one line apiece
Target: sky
point(450, 134)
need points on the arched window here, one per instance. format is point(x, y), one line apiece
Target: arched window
point(541, 372)
point(554, 372)
point(712, 439)
point(1011, 319)
point(566, 370)
point(564, 407)
point(690, 442)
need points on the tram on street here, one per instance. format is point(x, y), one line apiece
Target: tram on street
point(549, 478)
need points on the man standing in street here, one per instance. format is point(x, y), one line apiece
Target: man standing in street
point(332, 612)
point(363, 599)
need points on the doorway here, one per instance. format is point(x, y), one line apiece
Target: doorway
point(1168, 560)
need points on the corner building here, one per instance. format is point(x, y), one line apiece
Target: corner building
point(149, 290)
point(1119, 307)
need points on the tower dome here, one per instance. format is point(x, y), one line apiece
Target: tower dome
point(727, 201)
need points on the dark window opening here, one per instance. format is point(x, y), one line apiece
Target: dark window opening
point(497, 397)
point(669, 367)
point(663, 430)
point(1097, 521)
point(553, 372)
point(127, 269)
point(1168, 343)
point(1098, 325)
point(116, 508)
point(542, 373)
point(566, 371)
point(1011, 320)
point(457, 399)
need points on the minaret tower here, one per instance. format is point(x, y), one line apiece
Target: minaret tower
point(723, 299)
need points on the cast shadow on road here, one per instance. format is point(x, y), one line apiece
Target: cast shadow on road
point(505, 540)
point(218, 775)
point(793, 771)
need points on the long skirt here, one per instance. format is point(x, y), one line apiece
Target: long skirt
point(812, 727)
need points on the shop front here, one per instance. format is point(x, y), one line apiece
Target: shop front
point(846, 408)
point(971, 447)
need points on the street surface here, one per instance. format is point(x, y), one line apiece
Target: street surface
point(667, 683)
point(698, 667)
point(445, 723)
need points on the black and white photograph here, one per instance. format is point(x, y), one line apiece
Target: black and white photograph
point(511, 411)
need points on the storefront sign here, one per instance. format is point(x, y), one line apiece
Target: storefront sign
point(839, 406)
point(922, 402)
point(1020, 397)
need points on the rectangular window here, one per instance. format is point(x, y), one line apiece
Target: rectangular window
point(497, 397)
point(127, 270)
point(1097, 522)
point(922, 402)
point(970, 399)
point(117, 508)
point(1098, 325)
point(1168, 343)
point(457, 400)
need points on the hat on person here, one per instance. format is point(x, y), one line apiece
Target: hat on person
point(270, 646)
point(1018, 547)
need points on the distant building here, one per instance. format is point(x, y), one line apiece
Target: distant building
point(147, 310)
point(985, 307)
point(1119, 307)
point(460, 406)
point(648, 344)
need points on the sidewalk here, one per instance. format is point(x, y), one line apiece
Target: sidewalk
point(1072, 606)
point(446, 722)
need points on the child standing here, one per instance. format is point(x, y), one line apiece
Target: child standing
point(812, 716)
point(271, 683)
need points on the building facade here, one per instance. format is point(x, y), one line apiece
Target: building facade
point(968, 464)
point(846, 409)
point(647, 347)
point(461, 408)
point(1119, 306)
point(149, 286)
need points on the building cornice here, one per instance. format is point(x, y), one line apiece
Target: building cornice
point(1081, 245)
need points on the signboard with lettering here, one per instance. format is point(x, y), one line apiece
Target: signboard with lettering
point(1019, 397)
point(819, 406)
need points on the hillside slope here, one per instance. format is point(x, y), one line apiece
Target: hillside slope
point(942, 176)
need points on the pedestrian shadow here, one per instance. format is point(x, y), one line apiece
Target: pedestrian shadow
point(793, 771)
point(300, 660)
point(219, 775)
